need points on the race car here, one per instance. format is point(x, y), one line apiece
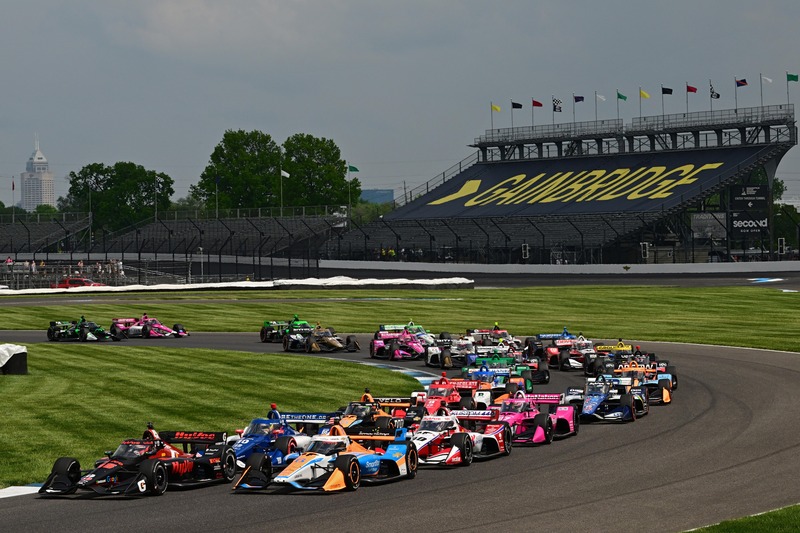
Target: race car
point(395, 342)
point(650, 376)
point(507, 380)
point(276, 438)
point(494, 337)
point(82, 330)
point(335, 461)
point(316, 340)
point(609, 399)
point(145, 328)
point(274, 330)
point(539, 418)
point(444, 394)
point(443, 440)
point(147, 466)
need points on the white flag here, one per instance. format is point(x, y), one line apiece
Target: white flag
point(601, 97)
point(766, 79)
point(284, 174)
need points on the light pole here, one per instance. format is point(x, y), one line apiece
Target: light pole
point(201, 263)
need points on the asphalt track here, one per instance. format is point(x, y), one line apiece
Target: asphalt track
point(727, 447)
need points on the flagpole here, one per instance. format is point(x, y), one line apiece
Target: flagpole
point(617, 99)
point(761, 87)
point(687, 97)
point(595, 106)
point(491, 114)
point(573, 108)
point(533, 108)
point(787, 87)
point(511, 103)
point(553, 106)
point(662, 100)
point(735, 94)
point(640, 101)
point(710, 95)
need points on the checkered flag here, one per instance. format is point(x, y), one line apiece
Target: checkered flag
point(714, 94)
point(557, 105)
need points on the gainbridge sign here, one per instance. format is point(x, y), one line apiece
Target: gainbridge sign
point(633, 183)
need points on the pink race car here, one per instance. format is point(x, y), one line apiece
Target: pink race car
point(539, 418)
point(145, 327)
point(395, 342)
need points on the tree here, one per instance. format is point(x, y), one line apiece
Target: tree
point(117, 196)
point(243, 170)
point(318, 173)
point(45, 209)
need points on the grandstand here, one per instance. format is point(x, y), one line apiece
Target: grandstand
point(593, 192)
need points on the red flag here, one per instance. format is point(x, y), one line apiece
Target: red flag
point(690, 89)
point(536, 103)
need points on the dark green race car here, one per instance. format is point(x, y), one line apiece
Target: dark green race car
point(78, 330)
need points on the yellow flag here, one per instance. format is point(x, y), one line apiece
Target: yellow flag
point(643, 94)
point(495, 107)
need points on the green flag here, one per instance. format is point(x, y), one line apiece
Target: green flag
point(351, 168)
point(791, 77)
point(621, 96)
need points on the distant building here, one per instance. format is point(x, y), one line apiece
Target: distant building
point(377, 196)
point(37, 182)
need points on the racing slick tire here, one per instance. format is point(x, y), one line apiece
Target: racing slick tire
point(351, 344)
point(445, 359)
point(155, 477)
point(576, 419)
point(464, 445)
point(286, 343)
point(264, 334)
point(466, 402)
point(258, 464)
point(445, 335)
point(286, 445)
point(671, 370)
point(666, 386)
point(51, 334)
point(372, 349)
point(146, 331)
point(384, 423)
point(394, 347)
point(69, 467)
point(543, 420)
point(228, 461)
point(350, 469)
point(627, 400)
point(412, 460)
point(512, 388)
point(177, 328)
point(507, 438)
point(563, 360)
point(82, 334)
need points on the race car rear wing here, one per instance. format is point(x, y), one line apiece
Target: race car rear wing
point(400, 434)
point(474, 414)
point(619, 347)
point(307, 418)
point(124, 321)
point(396, 402)
point(193, 437)
point(548, 398)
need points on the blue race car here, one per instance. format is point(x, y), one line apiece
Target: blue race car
point(610, 399)
point(277, 438)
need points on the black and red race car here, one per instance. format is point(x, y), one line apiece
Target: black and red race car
point(147, 466)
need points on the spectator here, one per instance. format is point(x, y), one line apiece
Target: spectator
point(9, 263)
point(33, 267)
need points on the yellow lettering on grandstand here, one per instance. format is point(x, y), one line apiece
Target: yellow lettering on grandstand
point(548, 187)
point(604, 182)
point(511, 195)
point(469, 187)
point(492, 193)
point(618, 184)
point(640, 192)
point(690, 178)
point(642, 180)
point(575, 187)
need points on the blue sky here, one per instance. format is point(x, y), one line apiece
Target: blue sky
point(402, 88)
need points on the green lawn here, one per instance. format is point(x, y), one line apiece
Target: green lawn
point(785, 520)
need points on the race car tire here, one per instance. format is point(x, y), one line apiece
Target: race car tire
point(228, 460)
point(627, 400)
point(412, 460)
point(671, 370)
point(352, 344)
point(178, 328)
point(512, 388)
point(286, 343)
point(264, 334)
point(445, 336)
point(82, 334)
point(507, 438)
point(543, 420)
point(155, 476)
point(466, 402)
point(527, 375)
point(576, 419)
point(464, 445)
point(69, 467)
point(350, 469)
point(372, 349)
point(333, 331)
point(563, 360)
point(384, 423)
point(394, 347)
point(377, 335)
point(50, 334)
point(259, 462)
point(445, 359)
point(145, 332)
point(286, 445)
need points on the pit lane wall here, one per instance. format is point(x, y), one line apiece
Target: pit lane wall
point(629, 183)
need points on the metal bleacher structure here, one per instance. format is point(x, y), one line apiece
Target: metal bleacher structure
point(753, 138)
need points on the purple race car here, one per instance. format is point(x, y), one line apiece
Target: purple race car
point(539, 418)
point(145, 327)
point(395, 342)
